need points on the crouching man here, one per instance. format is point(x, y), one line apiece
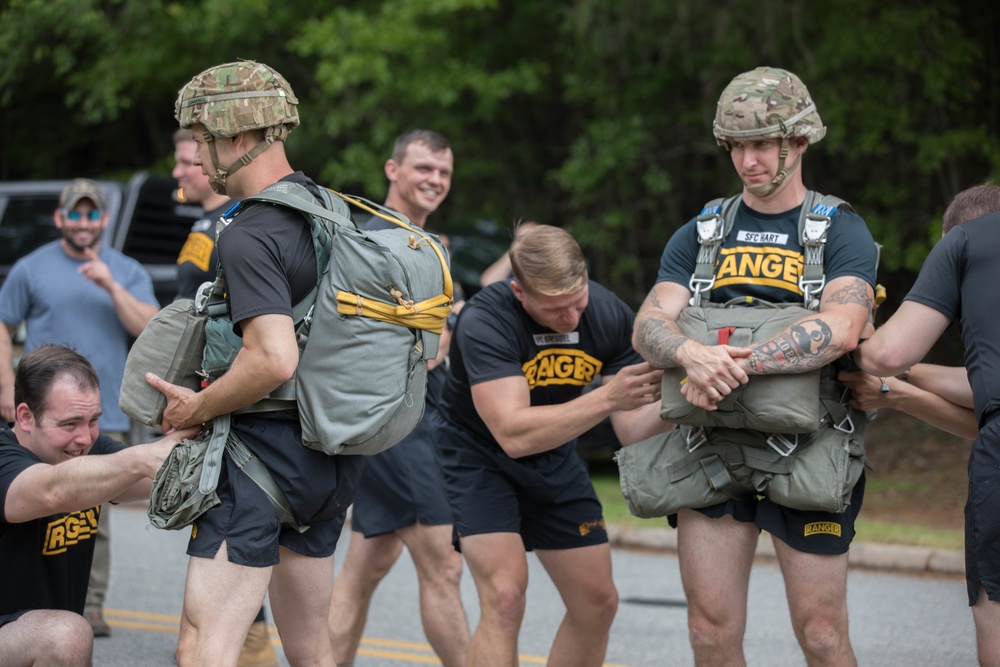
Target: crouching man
point(55, 471)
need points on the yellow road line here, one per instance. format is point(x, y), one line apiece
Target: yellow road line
point(168, 623)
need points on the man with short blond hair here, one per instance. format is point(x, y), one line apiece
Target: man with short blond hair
point(512, 408)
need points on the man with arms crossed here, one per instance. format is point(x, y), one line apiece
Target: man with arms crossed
point(55, 471)
point(511, 410)
point(401, 498)
point(240, 114)
point(766, 121)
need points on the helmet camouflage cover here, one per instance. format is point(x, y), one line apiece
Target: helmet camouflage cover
point(766, 103)
point(236, 97)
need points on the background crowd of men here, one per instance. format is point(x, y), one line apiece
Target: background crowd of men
point(491, 472)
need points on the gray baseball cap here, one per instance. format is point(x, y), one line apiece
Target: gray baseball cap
point(82, 188)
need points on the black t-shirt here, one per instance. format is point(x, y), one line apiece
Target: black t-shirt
point(44, 563)
point(199, 257)
point(762, 257)
point(268, 259)
point(496, 338)
point(959, 279)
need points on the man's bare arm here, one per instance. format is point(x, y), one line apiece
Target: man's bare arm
point(86, 481)
point(816, 340)
point(903, 340)
point(522, 429)
point(949, 382)
point(656, 335)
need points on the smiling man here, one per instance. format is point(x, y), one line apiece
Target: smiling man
point(80, 292)
point(55, 470)
point(512, 408)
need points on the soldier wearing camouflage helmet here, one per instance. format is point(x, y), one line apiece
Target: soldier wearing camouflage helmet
point(239, 114)
point(766, 119)
point(232, 99)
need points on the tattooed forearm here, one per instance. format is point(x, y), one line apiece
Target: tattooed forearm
point(657, 341)
point(855, 292)
point(806, 345)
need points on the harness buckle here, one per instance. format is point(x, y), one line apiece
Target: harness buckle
point(202, 296)
point(779, 443)
point(840, 426)
point(815, 228)
point(710, 229)
point(810, 287)
point(695, 438)
point(697, 286)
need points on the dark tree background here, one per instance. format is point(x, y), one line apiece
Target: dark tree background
point(590, 114)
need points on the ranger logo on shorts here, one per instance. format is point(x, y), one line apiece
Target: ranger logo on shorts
point(822, 528)
point(559, 365)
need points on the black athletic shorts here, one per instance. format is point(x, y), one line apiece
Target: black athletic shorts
point(401, 486)
point(10, 618)
point(982, 515)
point(546, 498)
point(319, 488)
point(811, 532)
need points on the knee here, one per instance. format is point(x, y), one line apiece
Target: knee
point(72, 644)
point(601, 607)
point(506, 604)
point(450, 569)
point(823, 635)
point(715, 632)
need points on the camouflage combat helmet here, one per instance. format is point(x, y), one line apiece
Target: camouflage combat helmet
point(236, 97)
point(767, 103)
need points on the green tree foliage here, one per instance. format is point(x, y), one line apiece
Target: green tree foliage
point(591, 114)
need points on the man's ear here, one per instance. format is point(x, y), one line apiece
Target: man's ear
point(24, 417)
point(390, 169)
point(518, 290)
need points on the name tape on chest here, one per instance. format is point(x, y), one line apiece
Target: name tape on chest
point(571, 338)
point(772, 238)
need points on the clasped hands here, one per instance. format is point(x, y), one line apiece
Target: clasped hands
point(713, 372)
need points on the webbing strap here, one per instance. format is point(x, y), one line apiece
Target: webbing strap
point(255, 470)
point(716, 221)
point(212, 466)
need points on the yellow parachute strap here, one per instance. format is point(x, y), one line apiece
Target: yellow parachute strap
point(429, 314)
point(449, 289)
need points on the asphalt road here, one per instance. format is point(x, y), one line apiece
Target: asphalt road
point(896, 619)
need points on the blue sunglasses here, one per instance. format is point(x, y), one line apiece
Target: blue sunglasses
point(75, 216)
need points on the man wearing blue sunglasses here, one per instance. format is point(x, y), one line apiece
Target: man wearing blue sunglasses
point(80, 293)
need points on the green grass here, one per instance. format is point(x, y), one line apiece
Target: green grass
point(616, 512)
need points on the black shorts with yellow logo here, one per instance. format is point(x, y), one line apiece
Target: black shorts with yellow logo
point(811, 532)
point(546, 498)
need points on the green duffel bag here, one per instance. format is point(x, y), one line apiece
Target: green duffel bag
point(650, 482)
point(785, 403)
point(694, 467)
point(170, 346)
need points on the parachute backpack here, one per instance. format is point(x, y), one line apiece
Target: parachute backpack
point(365, 332)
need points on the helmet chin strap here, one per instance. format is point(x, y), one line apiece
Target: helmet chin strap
point(769, 188)
point(218, 181)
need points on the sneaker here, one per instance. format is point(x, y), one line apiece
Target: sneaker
point(257, 650)
point(97, 622)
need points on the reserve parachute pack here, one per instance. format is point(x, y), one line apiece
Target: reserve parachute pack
point(790, 437)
